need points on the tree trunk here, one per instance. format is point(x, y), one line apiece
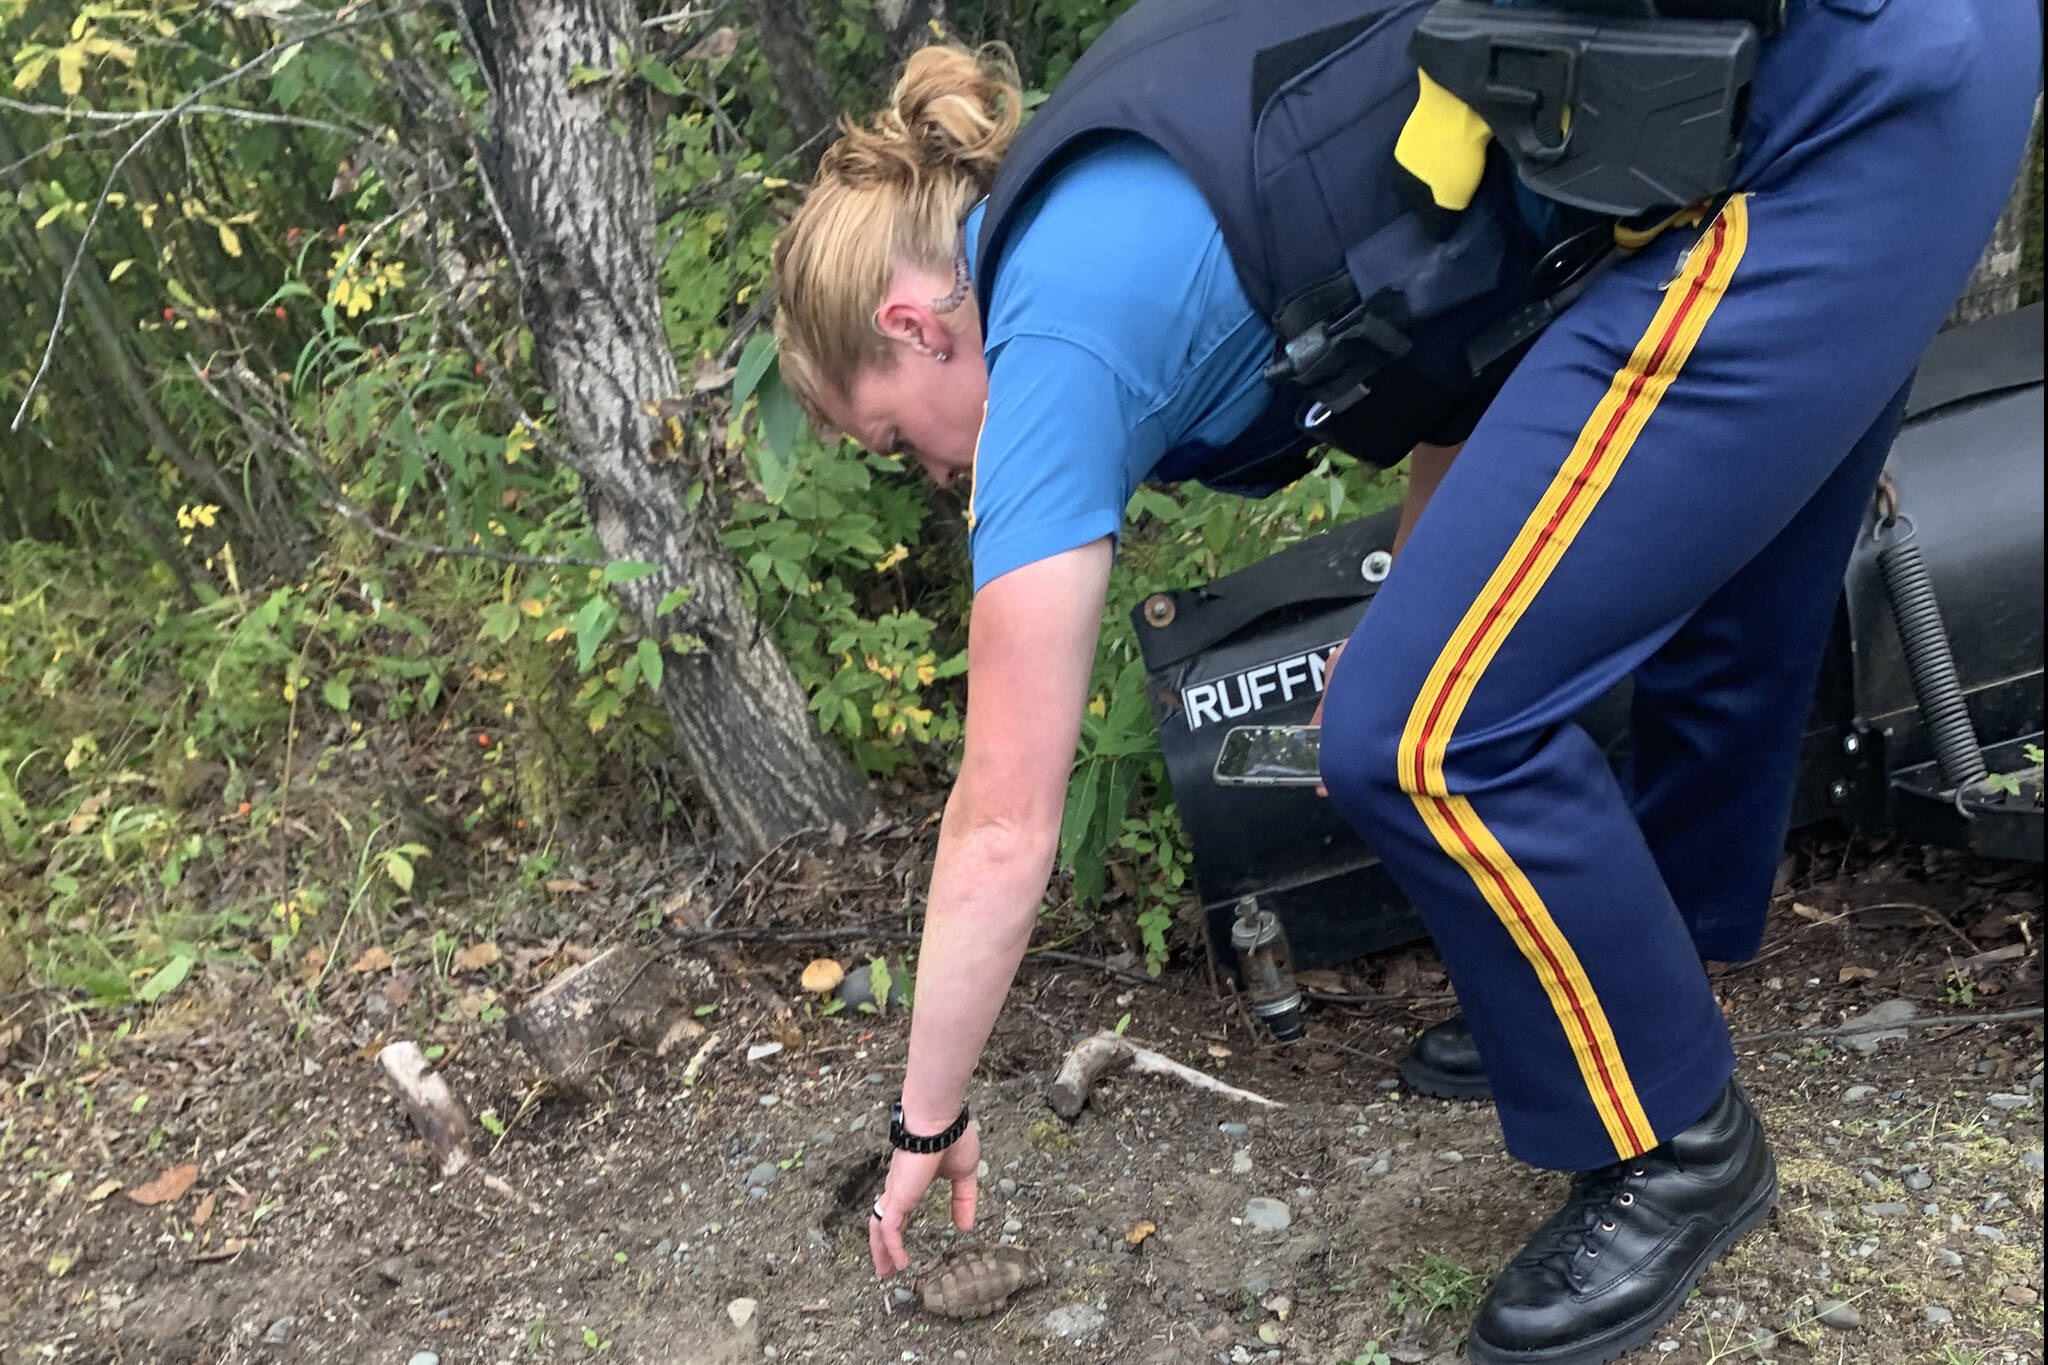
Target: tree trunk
point(780, 27)
point(1998, 283)
point(573, 171)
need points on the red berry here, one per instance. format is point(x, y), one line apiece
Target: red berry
point(341, 231)
point(479, 367)
point(280, 313)
point(170, 314)
point(292, 236)
point(483, 739)
point(205, 372)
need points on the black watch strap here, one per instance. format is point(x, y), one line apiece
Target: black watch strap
point(903, 1140)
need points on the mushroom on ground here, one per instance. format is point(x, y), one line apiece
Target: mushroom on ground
point(823, 976)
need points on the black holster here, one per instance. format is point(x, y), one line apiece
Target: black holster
point(1614, 106)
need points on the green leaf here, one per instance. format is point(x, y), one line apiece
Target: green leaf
point(781, 422)
point(755, 359)
point(168, 978)
point(880, 980)
point(120, 269)
point(670, 600)
point(1122, 1024)
point(662, 79)
point(336, 694)
point(399, 869)
point(626, 570)
point(593, 623)
point(649, 655)
point(491, 1123)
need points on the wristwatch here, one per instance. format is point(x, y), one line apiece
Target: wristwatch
point(903, 1140)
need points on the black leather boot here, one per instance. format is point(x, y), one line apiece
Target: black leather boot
point(1445, 1063)
point(1616, 1263)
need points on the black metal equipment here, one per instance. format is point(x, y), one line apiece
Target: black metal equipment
point(1963, 498)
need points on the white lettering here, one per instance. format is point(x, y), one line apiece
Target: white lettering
point(1244, 700)
point(1200, 700)
point(1261, 685)
point(1293, 672)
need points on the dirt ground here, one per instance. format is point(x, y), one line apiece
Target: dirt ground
point(722, 1221)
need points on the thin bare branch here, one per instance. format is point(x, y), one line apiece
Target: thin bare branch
point(168, 116)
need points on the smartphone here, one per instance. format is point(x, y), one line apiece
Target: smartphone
point(1270, 756)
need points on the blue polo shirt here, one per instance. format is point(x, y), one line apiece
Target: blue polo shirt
point(1117, 336)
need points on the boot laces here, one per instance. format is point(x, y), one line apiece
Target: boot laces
point(1597, 1203)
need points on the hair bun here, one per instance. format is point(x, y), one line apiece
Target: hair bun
point(952, 114)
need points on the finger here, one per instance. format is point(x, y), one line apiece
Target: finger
point(877, 1249)
point(965, 1195)
point(892, 1241)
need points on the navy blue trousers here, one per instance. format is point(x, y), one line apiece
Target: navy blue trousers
point(1668, 487)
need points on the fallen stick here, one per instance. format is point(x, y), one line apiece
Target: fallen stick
point(1103, 1052)
point(435, 1113)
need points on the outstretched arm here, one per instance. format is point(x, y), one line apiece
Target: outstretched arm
point(1030, 648)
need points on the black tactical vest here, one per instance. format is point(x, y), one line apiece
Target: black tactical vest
point(1284, 113)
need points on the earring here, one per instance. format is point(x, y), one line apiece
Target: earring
point(942, 356)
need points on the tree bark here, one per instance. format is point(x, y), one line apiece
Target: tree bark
point(785, 41)
point(572, 169)
point(1997, 284)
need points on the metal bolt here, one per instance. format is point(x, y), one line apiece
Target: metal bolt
point(1851, 743)
point(1838, 791)
point(1376, 566)
point(1159, 610)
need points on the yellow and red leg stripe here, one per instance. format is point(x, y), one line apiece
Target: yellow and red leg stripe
point(1603, 443)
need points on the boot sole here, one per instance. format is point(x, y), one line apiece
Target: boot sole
point(1618, 1341)
point(1443, 1085)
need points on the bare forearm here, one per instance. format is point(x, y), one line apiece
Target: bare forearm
point(987, 883)
point(1427, 465)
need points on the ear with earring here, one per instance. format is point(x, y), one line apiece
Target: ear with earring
point(942, 356)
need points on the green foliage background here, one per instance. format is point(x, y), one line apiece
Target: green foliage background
point(303, 623)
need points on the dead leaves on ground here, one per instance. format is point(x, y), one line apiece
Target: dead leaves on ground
point(167, 1188)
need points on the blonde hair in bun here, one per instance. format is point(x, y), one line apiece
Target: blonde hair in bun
point(887, 194)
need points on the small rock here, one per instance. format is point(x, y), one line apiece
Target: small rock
point(1989, 1233)
point(1007, 1185)
point(763, 1175)
point(1390, 1083)
point(1873, 1179)
point(1919, 1180)
point(1886, 1211)
point(1267, 1215)
point(742, 1311)
point(1241, 1161)
point(1948, 1260)
point(1763, 1340)
point(2032, 1160)
point(1931, 1210)
point(873, 1078)
point(1667, 1346)
point(1232, 1130)
point(280, 1330)
point(1885, 1012)
point(1841, 1316)
point(2010, 1101)
point(1937, 1316)
point(1858, 1092)
point(1012, 1226)
point(665, 1247)
point(770, 1101)
point(760, 1050)
point(858, 988)
point(1450, 1158)
point(859, 1125)
point(2020, 1296)
point(1072, 1320)
point(902, 1295)
point(424, 1358)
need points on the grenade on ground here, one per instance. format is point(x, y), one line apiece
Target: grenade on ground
point(979, 1281)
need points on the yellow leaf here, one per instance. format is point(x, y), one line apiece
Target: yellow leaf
point(531, 607)
point(31, 72)
point(107, 47)
point(120, 269)
point(51, 216)
point(230, 240)
point(71, 69)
